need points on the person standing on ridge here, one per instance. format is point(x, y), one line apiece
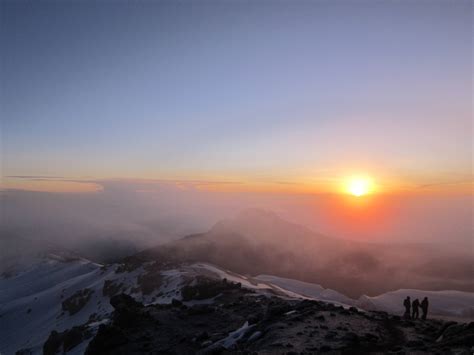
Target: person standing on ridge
point(424, 307)
point(407, 304)
point(414, 306)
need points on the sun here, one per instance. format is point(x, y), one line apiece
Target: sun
point(359, 186)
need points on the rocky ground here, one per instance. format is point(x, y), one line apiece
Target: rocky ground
point(221, 317)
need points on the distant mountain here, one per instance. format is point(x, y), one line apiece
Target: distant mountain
point(260, 242)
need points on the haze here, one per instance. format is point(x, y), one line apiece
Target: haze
point(147, 121)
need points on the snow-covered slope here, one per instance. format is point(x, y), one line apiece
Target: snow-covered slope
point(32, 302)
point(59, 293)
point(310, 290)
point(442, 303)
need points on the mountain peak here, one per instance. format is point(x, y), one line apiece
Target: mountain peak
point(257, 214)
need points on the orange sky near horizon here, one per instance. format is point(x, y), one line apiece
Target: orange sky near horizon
point(322, 185)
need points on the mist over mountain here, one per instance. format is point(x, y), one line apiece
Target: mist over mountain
point(258, 241)
point(244, 278)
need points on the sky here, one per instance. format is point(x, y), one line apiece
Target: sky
point(266, 93)
point(162, 117)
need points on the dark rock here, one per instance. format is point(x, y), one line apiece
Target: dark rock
point(149, 282)
point(106, 340)
point(415, 343)
point(353, 310)
point(325, 348)
point(66, 340)
point(52, 344)
point(124, 301)
point(371, 337)
point(206, 288)
point(351, 338)
point(128, 312)
point(176, 303)
point(200, 309)
point(276, 310)
point(202, 336)
point(77, 301)
point(111, 288)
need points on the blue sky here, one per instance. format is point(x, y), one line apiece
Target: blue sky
point(266, 90)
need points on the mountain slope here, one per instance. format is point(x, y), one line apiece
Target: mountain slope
point(67, 295)
point(260, 242)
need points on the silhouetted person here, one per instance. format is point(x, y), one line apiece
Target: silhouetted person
point(414, 306)
point(424, 307)
point(407, 304)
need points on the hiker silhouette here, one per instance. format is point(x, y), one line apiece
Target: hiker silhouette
point(407, 304)
point(414, 306)
point(424, 307)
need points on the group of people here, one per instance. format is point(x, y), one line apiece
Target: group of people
point(412, 308)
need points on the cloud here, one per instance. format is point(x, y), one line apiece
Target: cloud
point(35, 177)
point(447, 183)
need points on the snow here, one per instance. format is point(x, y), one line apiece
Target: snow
point(255, 336)
point(41, 289)
point(43, 286)
point(442, 303)
point(233, 337)
point(307, 290)
point(246, 282)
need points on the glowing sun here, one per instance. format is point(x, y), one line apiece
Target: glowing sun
point(359, 186)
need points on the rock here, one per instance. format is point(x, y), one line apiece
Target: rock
point(276, 310)
point(254, 319)
point(66, 340)
point(353, 310)
point(77, 301)
point(176, 303)
point(351, 338)
point(149, 282)
point(325, 348)
point(200, 309)
point(106, 340)
point(111, 288)
point(124, 301)
point(371, 337)
point(128, 312)
point(52, 344)
point(415, 343)
point(202, 336)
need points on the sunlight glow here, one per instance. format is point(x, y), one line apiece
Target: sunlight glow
point(359, 186)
